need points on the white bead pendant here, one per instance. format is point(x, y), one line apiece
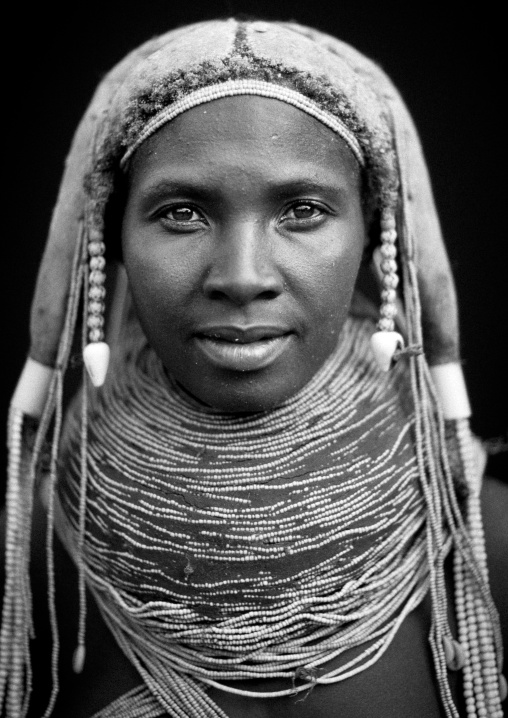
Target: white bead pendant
point(96, 358)
point(78, 659)
point(454, 654)
point(384, 345)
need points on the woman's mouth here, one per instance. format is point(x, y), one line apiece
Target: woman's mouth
point(246, 349)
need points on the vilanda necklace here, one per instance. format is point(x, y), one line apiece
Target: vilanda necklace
point(223, 547)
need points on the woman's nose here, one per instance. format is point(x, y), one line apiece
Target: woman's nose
point(242, 267)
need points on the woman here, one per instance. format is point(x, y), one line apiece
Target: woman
point(272, 501)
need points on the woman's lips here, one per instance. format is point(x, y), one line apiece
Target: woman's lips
point(242, 350)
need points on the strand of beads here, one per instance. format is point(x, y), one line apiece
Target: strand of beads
point(12, 661)
point(96, 354)
point(213, 491)
point(387, 341)
point(97, 291)
point(390, 279)
point(137, 703)
point(481, 675)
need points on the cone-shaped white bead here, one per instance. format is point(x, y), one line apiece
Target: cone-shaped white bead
point(96, 358)
point(384, 345)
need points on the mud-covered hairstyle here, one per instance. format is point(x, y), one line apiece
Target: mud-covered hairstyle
point(336, 79)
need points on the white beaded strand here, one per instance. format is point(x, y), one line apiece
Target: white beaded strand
point(390, 279)
point(386, 342)
point(11, 646)
point(80, 651)
point(481, 670)
point(137, 703)
point(15, 669)
point(96, 353)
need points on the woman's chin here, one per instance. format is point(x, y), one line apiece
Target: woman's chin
point(243, 393)
point(245, 378)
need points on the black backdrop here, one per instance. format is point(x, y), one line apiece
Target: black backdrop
point(447, 66)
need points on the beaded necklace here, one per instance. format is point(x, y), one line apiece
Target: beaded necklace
point(223, 547)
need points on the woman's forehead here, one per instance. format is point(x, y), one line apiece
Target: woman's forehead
point(246, 132)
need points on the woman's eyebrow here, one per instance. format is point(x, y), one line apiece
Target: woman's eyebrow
point(292, 187)
point(278, 187)
point(158, 190)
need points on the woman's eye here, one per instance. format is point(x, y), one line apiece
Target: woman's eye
point(303, 211)
point(182, 214)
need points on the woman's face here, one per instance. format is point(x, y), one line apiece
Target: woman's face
point(242, 238)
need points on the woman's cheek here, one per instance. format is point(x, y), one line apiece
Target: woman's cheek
point(161, 277)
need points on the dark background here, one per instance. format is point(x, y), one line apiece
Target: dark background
point(448, 66)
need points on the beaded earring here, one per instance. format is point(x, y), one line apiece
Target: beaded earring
point(96, 353)
point(386, 341)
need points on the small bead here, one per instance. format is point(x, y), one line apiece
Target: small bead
point(390, 281)
point(97, 277)
point(388, 235)
point(386, 325)
point(96, 248)
point(388, 251)
point(96, 335)
point(96, 293)
point(95, 321)
point(388, 266)
point(95, 308)
point(389, 296)
point(97, 262)
point(388, 311)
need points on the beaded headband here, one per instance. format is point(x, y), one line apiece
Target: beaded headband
point(234, 88)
